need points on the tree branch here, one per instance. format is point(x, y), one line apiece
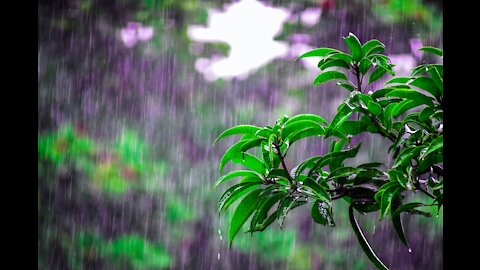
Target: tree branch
point(279, 154)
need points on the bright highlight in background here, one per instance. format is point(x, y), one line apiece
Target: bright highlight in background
point(249, 28)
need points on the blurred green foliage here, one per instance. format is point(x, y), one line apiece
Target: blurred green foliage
point(131, 249)
point(127, 164)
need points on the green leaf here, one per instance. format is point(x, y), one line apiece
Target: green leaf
point(333, 63)
point(271, 152)
point(278, 173)
point(234, 193)
point(397, 176)
point(398, 226)
point(428, 85)
point(249, 144)
point(376, 74)
point(334, 159)
point(433, 50)
point(355, 47)
point(404, 106)
point(381, 93)
point(319, 52)
point(418, 97)
point(406, 207)
point(260, 227)
point(329, 75)
point(425, 114)
point(342, 115)
point(234, 174)
point(427, 161)
point(437, 79)
point(264, 132)
point(322, 213)
point(374, 108)
point(352, 127)
point(362, 240)
point(261, 215)
point(434, 146)
point(307, 132)
point(364, 65)
point(232, 153)
point(295, 126)
point(286, 205)
point(304, 165)
point(372, 46)
point(241, 129)
point(251, 162)
point(340, 56)
point(347, 86)
point(401, 80)
point(317, 189)
point(425, 68)
point(387, 198)
point(306, 116)
point(244, 210)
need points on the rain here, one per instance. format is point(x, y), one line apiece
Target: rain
point(132, 94)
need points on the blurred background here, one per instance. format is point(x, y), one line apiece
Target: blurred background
point(132, 93)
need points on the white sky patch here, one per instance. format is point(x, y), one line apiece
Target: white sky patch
point(310, 16)
point(248, 27)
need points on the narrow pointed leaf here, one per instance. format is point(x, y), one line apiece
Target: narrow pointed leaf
point(249, 144)
point(244, 210)
point(398, 226)
point(329, 75)
point(307, 132)
point(319, 52)
point(234, 174)
point(306, 116)
point(321, 193)
point(234, 193)
point(241, 129)
point(295, 126)
point(407, 207)
point(362, 240)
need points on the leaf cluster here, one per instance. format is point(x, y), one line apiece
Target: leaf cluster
point(406, 110)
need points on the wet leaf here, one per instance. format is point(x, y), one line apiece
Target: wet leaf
point(244, 210)
point(319, 52)
point(322, 213)
point(432, 50)
point(355, 47)
point(398, 226)
point(234, 193)
point(376, 74)
point(234, 174)
point(306, 116)
point(241, 129)
point(329, 75)
point(317, 189)
point(362, 240)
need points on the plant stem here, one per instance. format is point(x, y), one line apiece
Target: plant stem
point(279, 154)
point(359, 81)
point(383, 130)
point(425, 192)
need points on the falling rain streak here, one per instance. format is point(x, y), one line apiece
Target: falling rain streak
point(131, 95)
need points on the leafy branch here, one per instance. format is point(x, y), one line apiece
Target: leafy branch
point(406, 110)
